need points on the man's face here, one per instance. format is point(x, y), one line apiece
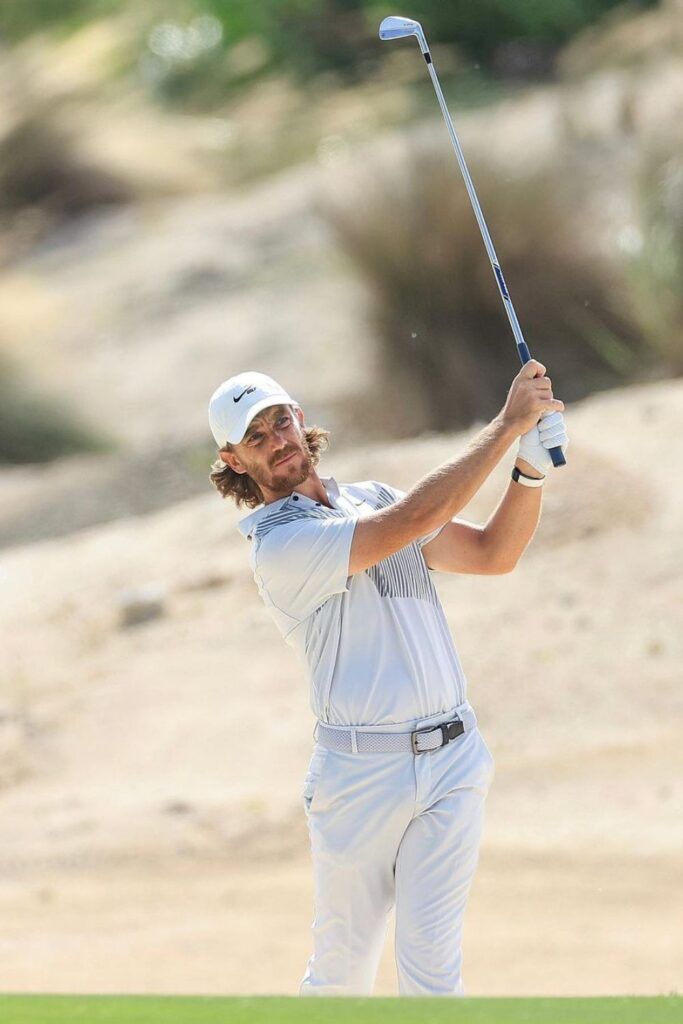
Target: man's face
point(273, 451)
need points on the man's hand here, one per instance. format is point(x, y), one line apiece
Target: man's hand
point(530, 395)
point(550, 432)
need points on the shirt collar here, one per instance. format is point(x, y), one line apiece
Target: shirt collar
point(248, 524)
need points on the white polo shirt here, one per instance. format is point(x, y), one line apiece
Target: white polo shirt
point(376, 645)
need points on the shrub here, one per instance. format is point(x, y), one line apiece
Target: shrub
point(480, 28)
point(41, 170)
point(444, 340)
point(307, 37)
point(21, 18)
point(35, 429)
point(656, 264)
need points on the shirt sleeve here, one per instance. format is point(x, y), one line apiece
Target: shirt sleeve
point(398, 493)
point(301, 565)
point(430, 536)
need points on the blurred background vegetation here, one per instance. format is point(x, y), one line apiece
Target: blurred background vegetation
point(575, 306)
point(34, 428)
point(307, 37)
point(253, 89)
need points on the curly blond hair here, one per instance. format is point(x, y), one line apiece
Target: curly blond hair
point(240, 486)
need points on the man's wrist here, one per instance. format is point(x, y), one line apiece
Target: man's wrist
point(525, 467)
point(505, 428)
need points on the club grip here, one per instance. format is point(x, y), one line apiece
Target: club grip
point(556, 454)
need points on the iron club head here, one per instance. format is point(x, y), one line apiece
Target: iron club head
point(395, 27)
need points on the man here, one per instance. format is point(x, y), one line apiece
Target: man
point(395, 792)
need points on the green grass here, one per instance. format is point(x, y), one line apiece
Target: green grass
point(46, 1009)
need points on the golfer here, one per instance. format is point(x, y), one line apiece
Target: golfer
point(397, 782)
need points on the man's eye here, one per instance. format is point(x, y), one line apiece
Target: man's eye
point(284, 419)
point(255, 438)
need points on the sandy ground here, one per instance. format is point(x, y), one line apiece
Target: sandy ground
point(145, 848)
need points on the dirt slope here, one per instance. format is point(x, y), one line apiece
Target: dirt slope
point(145, 846)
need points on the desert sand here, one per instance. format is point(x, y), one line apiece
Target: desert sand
point(147, 846)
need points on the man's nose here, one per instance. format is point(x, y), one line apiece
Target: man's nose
point(277, 442)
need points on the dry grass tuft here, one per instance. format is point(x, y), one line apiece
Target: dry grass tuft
point(34, 428)
point(42, 172)
point(444, 338)
point(657, 265)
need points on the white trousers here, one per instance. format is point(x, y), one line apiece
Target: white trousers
point(394, 829)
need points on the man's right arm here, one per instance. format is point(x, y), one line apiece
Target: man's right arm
point(439, 496)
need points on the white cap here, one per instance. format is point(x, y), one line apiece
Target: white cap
point(234, 404)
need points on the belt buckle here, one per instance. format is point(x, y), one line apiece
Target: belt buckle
point(449, 731)
point(418, 732)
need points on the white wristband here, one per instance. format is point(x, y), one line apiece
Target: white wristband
point(528, 481)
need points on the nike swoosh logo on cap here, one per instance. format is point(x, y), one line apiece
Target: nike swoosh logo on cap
point(243, 394)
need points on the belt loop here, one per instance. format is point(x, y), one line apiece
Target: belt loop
point(354, 742)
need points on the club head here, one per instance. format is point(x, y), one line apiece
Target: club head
point(395, 27)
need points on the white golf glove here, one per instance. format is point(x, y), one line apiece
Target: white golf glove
point(549, 432)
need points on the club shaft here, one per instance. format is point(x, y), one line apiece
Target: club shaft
point(557, 454)
point(488, 242)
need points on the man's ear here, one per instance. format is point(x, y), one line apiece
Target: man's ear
point(230, 459)
point(299, 413)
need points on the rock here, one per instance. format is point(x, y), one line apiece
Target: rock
point(138, 605)
point(177, 806)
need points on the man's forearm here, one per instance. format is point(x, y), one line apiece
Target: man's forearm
point(440, 495)
point(509, 530)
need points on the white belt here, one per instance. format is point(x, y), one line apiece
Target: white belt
point(366, 739)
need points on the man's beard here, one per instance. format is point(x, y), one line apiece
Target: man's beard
point(291, 474)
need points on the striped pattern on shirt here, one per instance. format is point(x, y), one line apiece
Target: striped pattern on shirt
point(405, 573)
point(287, 514)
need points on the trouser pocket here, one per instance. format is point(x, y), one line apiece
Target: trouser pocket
point(489, 757)
point(312, 779)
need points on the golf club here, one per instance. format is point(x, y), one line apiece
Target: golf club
point(397, 28)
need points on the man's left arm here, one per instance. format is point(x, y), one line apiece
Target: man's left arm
point(496, 548)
